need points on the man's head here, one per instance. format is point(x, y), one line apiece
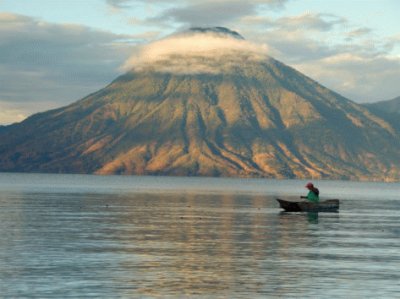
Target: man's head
point(309, 186)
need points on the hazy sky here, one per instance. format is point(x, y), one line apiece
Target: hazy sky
point(53, 52)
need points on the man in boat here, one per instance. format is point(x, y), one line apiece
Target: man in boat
point(313, 194)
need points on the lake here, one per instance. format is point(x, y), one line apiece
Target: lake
point(83, 236)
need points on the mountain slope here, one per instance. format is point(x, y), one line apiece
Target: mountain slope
point(251, 117)
point(389, 106)
point(388, 110)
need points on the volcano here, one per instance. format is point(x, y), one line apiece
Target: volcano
point(206, 102)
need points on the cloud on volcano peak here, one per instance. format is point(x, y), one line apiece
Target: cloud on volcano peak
point(194, 52)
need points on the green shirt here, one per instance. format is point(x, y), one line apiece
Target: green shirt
point(311, 196)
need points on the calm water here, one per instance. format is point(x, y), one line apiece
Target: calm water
point(73, 236)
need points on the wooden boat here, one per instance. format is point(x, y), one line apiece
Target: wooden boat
point(330, 205)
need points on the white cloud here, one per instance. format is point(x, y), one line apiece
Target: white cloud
point(359, 32)
point(310, 21)
point(195, 53)
point(118, 4)
point(363, 79)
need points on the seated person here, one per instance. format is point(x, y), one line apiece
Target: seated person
point(313, 194)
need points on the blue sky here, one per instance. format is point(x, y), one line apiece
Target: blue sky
point(53, 52)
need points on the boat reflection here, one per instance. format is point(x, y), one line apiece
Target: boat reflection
point(311, 217)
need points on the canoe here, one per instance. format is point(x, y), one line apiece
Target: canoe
point(330, 205)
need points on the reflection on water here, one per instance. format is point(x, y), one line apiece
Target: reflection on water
point(311, 217)
point(145, 245)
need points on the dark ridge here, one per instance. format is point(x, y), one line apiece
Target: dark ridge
point(389, 106)
point(219, 30)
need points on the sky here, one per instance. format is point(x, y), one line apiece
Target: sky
point(54, 52)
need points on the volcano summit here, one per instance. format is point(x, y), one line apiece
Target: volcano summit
point(206, 102)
